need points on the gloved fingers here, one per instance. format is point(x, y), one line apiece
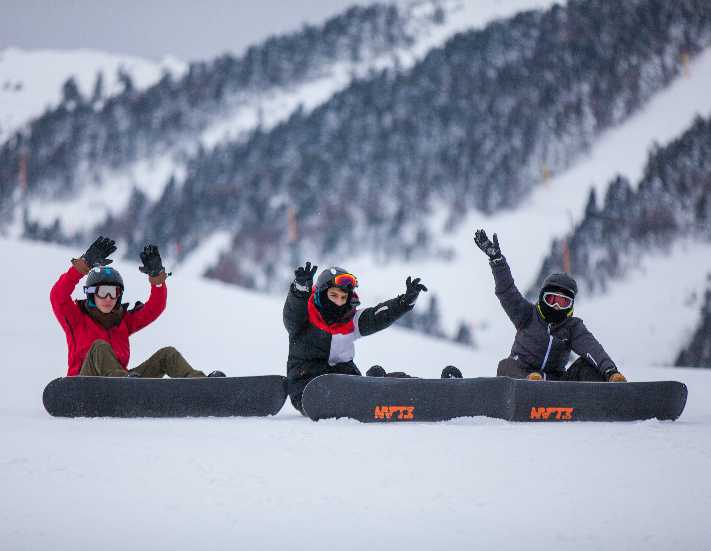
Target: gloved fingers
point(107, 246)
point(496, 241)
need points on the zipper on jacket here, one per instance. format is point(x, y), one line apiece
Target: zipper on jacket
point(548, 350)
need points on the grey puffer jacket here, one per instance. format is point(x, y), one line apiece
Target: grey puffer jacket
point(540, 345)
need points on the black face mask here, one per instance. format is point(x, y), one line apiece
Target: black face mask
point(333, 313)
point(551, 315)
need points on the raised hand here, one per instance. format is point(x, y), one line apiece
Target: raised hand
point(304, 276)
point(152, 263)
point(488, 247)
point(98, 251)
point(413, 287)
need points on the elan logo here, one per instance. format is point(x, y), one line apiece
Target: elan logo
point(552, 414)
point(396, 413)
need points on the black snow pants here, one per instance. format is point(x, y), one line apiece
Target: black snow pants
point(580, 370)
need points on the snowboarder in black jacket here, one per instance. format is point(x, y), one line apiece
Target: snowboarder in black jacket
point(324, 321)
point(546, 332)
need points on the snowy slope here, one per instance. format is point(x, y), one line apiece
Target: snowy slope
point(465, 285)
point(288, 482)
point(271, 108)
point(268, 108)
point(31, 80)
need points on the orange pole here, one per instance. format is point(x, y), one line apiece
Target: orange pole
point(566, 256)
point(293, 226)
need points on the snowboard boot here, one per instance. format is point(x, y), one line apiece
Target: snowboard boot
point(399, 375)
point(535, 376)
point(375, 371)
point(451, 372)
point(217, 373)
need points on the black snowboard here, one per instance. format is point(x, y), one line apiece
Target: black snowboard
point(136, 397)
point(375, 399)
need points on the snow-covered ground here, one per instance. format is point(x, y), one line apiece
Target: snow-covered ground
point(284, 481)
point(31, 80)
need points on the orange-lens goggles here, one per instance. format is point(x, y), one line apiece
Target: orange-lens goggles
point(345, 280)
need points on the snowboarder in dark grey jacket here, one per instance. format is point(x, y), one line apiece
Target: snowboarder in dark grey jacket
point(546, 332)
point(324, 322)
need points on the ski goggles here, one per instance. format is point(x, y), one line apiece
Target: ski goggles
point(104, 291)
point(557, 300)
point(345, 280)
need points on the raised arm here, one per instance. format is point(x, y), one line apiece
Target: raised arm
point(295, 308)
point(517, 308)
point(64, 308)
point(139, 318)
point(376, 318)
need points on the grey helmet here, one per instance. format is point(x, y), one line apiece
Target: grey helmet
point(103, 275)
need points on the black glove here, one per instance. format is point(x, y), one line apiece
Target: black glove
point(152, 264)
point(97, 252)
point(413, 291)
point(490, 249)
point(304, 277)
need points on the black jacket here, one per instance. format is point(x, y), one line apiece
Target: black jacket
point(313, 352)
point(540, 345)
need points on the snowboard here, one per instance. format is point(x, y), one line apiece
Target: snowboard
point(376, 399)
point(137, 397)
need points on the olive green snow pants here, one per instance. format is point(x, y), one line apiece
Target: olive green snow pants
point(100, 361)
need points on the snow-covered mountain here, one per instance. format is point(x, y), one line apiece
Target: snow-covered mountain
point(271, 483)
point(248, 255)
point(227, 98)
point(267, 483)
point(31, 80)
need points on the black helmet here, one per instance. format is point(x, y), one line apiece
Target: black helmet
point(561, 281)
point(344, 280)
point(330, 278)
point(557, 283)
point(103, 275)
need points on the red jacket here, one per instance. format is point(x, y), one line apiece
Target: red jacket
point(81, 330)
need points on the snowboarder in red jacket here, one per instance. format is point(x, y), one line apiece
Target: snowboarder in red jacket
point(98, 328)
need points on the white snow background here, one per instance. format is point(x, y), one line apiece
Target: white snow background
point(285, 481)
